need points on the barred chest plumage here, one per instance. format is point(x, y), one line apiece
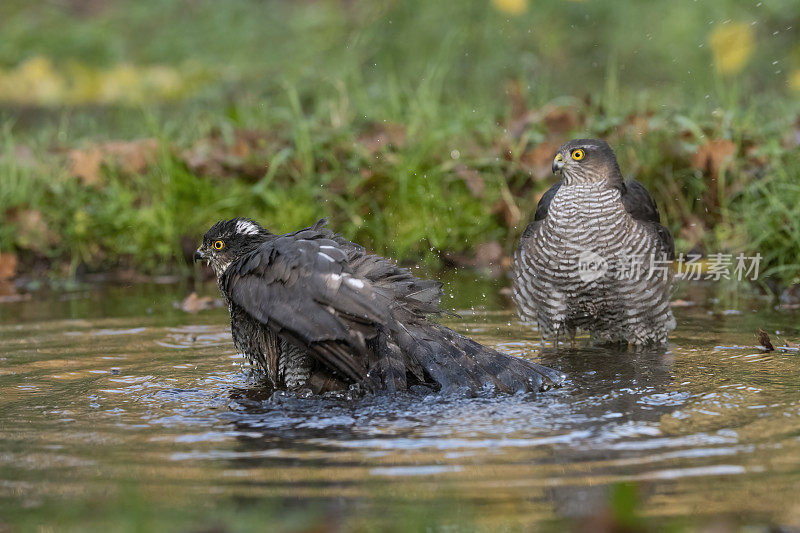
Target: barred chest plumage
point(586, 266)
point(582, 218)
point(285, 365)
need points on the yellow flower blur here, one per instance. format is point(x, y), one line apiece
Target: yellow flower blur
point(732, 46)
point(38, 81)
point(512, 7)
point(794, 80)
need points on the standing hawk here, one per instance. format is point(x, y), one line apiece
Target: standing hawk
point(315, 311)
point(596, 256)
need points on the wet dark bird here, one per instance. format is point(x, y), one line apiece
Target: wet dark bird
point(314, 311)
point(596, 256)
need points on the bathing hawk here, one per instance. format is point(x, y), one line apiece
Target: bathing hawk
point(314, 311)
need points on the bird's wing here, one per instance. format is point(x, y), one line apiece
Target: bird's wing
point(639, 203)
point(418, 296)
point(304, 290)
point(542, 209)
point(405, 290)
point(544, 202)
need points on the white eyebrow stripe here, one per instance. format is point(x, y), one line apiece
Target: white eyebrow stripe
point(245, 227)
point(326, 256)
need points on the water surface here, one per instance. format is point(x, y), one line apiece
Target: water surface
point(114, 398)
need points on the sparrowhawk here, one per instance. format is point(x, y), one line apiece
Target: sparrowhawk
point(315, 311)
point(596, 256)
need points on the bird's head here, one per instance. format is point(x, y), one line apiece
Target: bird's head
point(588, 161)
point(228, 240)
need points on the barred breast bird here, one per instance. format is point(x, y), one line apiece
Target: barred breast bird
point(596, 256)
point(313, 311)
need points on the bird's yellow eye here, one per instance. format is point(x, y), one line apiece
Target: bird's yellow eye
point(219, 245)
point(578, 154)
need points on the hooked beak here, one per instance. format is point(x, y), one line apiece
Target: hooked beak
point(199, 255)
point(558, 163)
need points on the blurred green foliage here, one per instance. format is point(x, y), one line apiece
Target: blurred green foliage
point(444, 87)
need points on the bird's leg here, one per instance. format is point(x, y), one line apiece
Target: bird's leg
point(549, 335)
point(550, 339)
point(572, 338)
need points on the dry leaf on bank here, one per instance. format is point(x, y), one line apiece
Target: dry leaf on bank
point(194, 303)
point(8, 265)
point(714, 156)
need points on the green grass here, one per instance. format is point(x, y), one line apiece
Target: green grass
point(321, 78)
point(131, 509)
point(133, 512)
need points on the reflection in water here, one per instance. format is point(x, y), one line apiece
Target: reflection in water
point(620, 395)
point(89, 403)
point(611, 396)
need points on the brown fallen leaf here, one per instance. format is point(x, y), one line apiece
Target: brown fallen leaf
point(517, 126)
point(561, 120)
point(681, 303)
point(763, 340)
point(8, 266)
point(194, 303)
point(714, 156)
point(85, 165)
point(472, 179)
point(32, 231)
point(636, 124)
point(131, 157)
point(382, 135)
point(539, 161)
point(246, 154)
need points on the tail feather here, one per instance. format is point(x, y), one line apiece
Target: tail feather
point(516, 375)
point(444, 365)
point(391, 364)
point(455, 362)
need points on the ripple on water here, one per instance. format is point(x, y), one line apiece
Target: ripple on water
point(177, 409)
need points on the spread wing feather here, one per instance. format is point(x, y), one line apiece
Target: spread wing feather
point(305, 291)
point(422, 297)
